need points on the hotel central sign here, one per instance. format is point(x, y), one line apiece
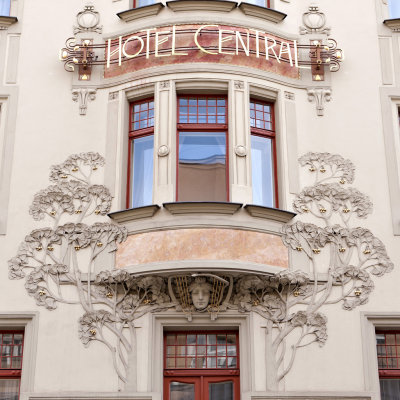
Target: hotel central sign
point(179, 44)
point(195, 43)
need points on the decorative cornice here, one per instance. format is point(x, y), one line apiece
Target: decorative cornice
point(269, 213)
point(393, 24)
point(202, 207)
point(141, 12)
point(6, 22)
point(262, 12)
point(134, 213)
point(202, 5)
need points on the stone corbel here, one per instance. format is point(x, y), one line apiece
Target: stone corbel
point(319, 96)
point(82, 96)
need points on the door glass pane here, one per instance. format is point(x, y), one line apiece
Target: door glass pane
point(202, 166)
point(142, 181)
point(262, 171)
point(221, 391)
point(9, 389)
point(181, 391)
point(390, 389)
point(5, 7)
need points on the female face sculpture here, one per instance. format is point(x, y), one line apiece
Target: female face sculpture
point(200, 291)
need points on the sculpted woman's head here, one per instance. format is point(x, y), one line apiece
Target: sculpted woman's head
point(200, 291)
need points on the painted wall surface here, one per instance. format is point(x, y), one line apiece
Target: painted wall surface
point(40, 126)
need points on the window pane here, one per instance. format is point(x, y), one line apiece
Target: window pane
point(5, 7)
point(181, 391)
point(256, 2)
point(262, 171)
point(390, 389)
point(142, 181)
point(202, 110)
point(9, 389)
point(221, 391)
point(143, 115)
point(394, 8)
point(142, 3)
point(202, 166)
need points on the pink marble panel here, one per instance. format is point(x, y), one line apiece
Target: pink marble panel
point(202, 244)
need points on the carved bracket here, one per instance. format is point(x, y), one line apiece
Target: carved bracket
point(319, 96)
point(88, 21)
point(82, 96)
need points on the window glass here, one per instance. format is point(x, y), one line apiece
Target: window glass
point(262, 171)
point(388, 353)
point(202, 166)
point(201, 351)
point(394, 8)
point(5, 7)
point(221, 391)
point(142, 3)
point(11, 352)
point(262, 153)
point(141, 136)
point(142, 181)
point(181, 391)
point(262, 3)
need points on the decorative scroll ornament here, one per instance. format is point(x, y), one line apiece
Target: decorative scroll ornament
point(54, 259)
point(319, 96)
point(314, 22)
point(82, 96)
point(88, 21)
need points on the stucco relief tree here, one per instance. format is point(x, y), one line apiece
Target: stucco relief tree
point(54, 259)
point(342, 262)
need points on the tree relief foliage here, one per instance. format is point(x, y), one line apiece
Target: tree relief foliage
point(343, 260)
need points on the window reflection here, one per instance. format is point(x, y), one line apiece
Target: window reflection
point(142, 180)
point(142, 3)
point(5, 7)
point(221, 391)
point(394, 8)
point(181, 391)
point(262, 171)
point(202, 166)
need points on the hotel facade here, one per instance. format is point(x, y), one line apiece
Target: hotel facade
point(199, 200)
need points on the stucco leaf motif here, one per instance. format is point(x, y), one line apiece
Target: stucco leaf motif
point(339, 167)
point(73, 166)
point(91, 323)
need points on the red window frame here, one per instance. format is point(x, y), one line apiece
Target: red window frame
point(389, 373)
point(12, 373)
point(201, 377)
point(190, 127)
point(135, 134)
point(271, 134)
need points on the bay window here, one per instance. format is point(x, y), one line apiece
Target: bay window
point(11, 351)
point(388, 352)
point(202, 172)
point(263, 154)
point(4, 8)
point(141, 158)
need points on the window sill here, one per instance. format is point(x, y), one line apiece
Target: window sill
point(6, 22)
point(262, 12)
point(393, 24)
point(272, 214)
point(134, 213)
point(202, 207)
point(140, 12)
point(202, 5)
